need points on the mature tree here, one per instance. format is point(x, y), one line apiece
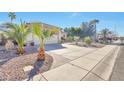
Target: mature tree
point(94, 22)
point(43, 35)
point(73, 31)
point(12, 16)
point(77, 30)
point(104, 34)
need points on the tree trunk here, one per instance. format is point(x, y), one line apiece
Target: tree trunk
point(41, 53)
point(95, 32)
point(11, 20)
point(20, 51)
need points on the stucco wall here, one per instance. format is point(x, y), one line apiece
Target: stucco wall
point(54, 39)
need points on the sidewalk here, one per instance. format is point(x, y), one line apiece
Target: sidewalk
point(93, 65)
point(118, 72)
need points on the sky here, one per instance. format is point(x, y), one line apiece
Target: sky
point(111, 20)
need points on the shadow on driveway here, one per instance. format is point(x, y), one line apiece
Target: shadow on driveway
point(48, 47)
point(53, 47)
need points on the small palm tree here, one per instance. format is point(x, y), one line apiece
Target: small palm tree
point(43, 35)
point(12, 16)
point(19, 34)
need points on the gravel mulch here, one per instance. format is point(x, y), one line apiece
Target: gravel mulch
point(13, 69)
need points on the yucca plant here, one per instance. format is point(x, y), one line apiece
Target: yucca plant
point(43, 35)
point(18, 33)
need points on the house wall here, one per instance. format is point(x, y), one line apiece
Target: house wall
point(54, 39)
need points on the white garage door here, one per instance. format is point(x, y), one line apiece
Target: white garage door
point(54, 39)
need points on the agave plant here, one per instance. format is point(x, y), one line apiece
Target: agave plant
point(19, 34)
point(43, 35)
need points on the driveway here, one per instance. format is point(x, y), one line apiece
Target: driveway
point(66, 53)
point(71, 62)
point(81, 63)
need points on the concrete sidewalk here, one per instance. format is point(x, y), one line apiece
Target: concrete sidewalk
point(83, 65)
point(118, 72)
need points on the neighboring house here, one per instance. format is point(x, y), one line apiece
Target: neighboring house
point(54, 39)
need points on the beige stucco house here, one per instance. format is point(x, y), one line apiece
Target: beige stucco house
point(54, 39)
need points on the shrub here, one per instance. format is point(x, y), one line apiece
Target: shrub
point(76, 38)
point(70, 38)
point(88, 40)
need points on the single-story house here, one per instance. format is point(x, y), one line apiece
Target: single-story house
point(54, 39)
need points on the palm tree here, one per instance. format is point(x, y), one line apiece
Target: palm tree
point(43, 35)
point(94, 22)
point(12, 16)
point(19, 34)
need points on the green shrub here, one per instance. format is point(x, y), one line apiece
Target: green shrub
point(76, 39)
point(70, 38)
point(88, 40)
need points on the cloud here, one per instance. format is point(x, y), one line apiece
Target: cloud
point(75, 14)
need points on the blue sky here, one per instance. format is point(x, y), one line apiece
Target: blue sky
point(109, 20)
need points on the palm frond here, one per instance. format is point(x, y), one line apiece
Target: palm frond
point(37, 29)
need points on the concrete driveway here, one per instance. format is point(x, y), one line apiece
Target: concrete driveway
point(67, 53)
point(74, 63)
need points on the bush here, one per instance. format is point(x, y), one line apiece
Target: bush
point(76, 39)
point(88, 40)
point(70, 38)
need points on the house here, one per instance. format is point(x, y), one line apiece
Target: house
point(32, 38)
point(52, 40)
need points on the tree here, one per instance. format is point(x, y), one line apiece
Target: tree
point(43, 35)
point(19, 34)
point(12, 16)
point(77, 30)
point(73, 31)
point(94, 22)
point(104, 33)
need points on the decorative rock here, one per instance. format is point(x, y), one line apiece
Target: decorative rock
point(28, 68)
point(9, 45)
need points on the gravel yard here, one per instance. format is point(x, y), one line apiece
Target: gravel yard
point(12, 65)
